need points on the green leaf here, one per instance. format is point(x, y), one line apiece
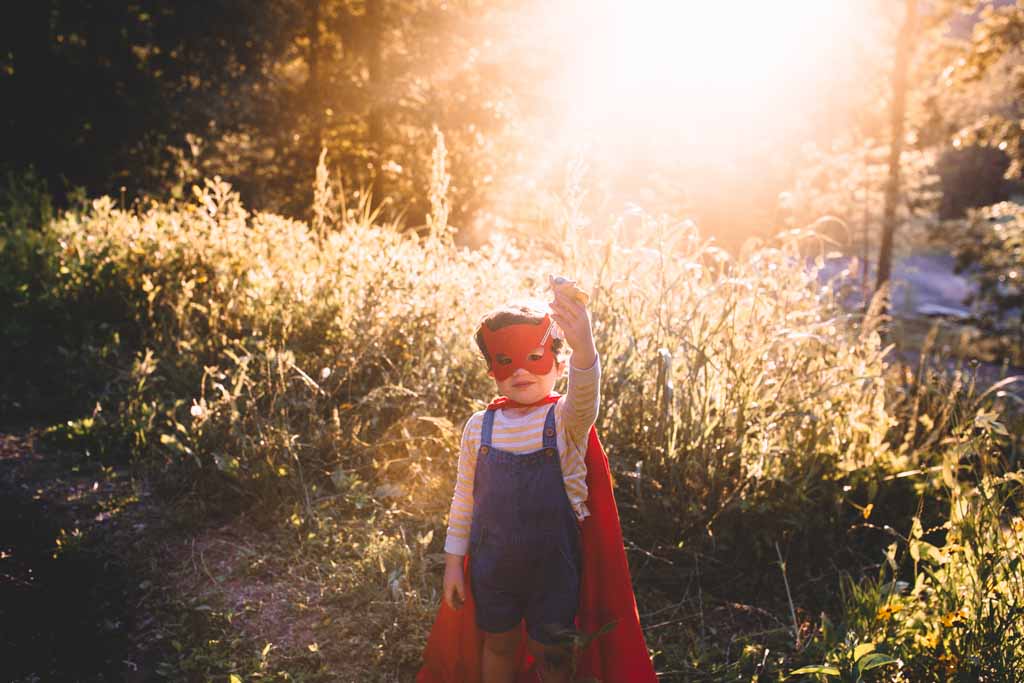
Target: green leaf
point(890, 555)
point(861, 650)
point(931, 553)
point(816, 669)
point(875, 660)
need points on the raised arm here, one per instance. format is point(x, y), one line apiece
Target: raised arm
point(569, 310)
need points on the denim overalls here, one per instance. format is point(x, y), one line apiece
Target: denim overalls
point(524, 540)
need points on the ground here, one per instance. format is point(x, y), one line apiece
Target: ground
point(72, 604)
point(101, 580)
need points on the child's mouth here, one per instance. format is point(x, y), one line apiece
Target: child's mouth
point(521, 385)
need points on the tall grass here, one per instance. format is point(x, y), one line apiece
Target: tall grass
point(736, 383)
point(263, 354)
point(252, 358)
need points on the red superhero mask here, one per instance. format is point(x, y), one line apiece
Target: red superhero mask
point(511, 347)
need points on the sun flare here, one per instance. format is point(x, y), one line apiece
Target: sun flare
point(700, 70)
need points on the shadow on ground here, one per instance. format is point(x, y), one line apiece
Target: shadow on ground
point(68, 599)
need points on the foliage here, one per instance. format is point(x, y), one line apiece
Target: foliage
point(946, 602)
point(991, 251)
point(253, 91)
point(847, 182)
point(981, 80)
point(51, 341)
point(959, 618)
point(257, 351)
point(25, 202)
point(247, 359)
point(971, 177)
point(703, 355)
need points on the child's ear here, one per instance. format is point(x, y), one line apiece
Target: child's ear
point(490, 373)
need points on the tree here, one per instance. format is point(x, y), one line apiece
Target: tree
point(151, 96)
point(898, 114)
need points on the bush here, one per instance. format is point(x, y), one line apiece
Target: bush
point(249, 359)
point(256, 353)
point(743, 393)
point(947, 603)
point(991, 251)
point(960, 617)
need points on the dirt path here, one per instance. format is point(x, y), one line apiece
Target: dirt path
point(70, 586)
point(100, 581)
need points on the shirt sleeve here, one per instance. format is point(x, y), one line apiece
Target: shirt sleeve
point(460, 516)
point(581, 402)
point(579, 410)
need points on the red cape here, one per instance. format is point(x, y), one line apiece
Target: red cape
point(606, 594)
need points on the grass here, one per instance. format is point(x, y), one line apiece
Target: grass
point(304, 386)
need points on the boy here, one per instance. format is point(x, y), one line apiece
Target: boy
point(520, 500)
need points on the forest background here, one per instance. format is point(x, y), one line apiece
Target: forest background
point(242, 245)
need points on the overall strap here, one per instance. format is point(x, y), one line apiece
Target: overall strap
point(485, 431)
point(550, 437)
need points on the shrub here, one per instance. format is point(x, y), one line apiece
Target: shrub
point(742, 392)
point(948, 602)
point(991, 251)
point(259, 355)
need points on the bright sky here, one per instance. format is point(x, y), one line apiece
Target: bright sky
point(713, 85)
point(700, 68)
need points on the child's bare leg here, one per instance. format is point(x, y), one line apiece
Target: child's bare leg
point(554, 662)
point(499, 659)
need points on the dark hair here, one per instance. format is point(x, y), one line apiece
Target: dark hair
point(511, 314)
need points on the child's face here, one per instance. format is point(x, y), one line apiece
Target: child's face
point(522, 386)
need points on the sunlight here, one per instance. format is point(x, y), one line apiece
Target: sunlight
point(698, 70)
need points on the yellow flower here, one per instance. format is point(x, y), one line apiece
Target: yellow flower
point(867, 510)
point(886, 611)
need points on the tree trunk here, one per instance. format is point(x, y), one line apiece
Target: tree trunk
point(315, 89)
point(375, 86)
point(897, 114)
point(866, 247)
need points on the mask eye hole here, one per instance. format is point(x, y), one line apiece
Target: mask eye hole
point(536, 356)
point(502, 359)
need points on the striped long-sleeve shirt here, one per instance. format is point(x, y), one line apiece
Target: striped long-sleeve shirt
point(523, 433)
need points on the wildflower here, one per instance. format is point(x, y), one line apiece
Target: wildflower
point(887, 611)
point(867, 510)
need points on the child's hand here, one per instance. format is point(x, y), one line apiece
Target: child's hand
point(569, 311)
point(454, 582)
